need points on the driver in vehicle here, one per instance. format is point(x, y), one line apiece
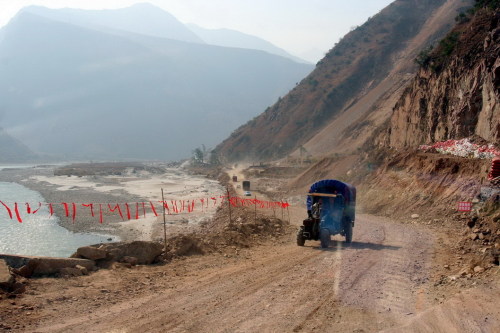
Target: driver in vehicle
point(331, 209)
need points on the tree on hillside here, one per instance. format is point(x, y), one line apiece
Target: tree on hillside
point(198, 156)
point(214, 158)
point(488, 3)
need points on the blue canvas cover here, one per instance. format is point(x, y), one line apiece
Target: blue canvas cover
point(330, 186)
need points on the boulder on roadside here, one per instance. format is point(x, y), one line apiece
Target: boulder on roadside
point(130, 260)
point(90, 252)
point(145, 252)
point(82, 269)
point(70, 272)
point(18, 288)
point(478, 269)
point(6, 278)
point(28, 266)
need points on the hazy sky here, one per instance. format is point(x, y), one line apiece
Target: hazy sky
point(305, 28)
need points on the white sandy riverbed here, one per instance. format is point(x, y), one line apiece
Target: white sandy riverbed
point(177, 186)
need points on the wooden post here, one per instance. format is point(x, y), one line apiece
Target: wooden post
point(255, 210)
point(288, 212)
point(164, 223)
point(282, 210)
point(229, 205)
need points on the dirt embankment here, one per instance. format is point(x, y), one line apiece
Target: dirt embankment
point(423, 183)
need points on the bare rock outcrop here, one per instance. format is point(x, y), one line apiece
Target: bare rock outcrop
point(90, 252)
point(145, 253)
point(28, 266)
point(6, 278)
point(454, 95)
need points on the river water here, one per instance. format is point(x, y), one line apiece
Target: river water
point(39, 234)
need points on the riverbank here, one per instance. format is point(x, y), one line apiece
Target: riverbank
point(133, 186)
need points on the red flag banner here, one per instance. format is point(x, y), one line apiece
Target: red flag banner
point(91, 208)
point(73, 205)
point(18, 216)
point(128, 211)
point(8, 209)
point(36, 210)
point(153, 209)
point(115, 208)
point(66, 210)
point(200, 205)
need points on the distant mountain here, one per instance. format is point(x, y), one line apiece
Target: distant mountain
point(232, 38)
point(13, 151)
point(79, 92)
point(143, 18)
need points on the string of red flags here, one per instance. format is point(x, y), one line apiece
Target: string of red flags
point(134, 210)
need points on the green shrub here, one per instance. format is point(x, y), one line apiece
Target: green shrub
point(493, 4)
point(462, 18)
point(424, 57)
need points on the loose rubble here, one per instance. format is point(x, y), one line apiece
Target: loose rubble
point(463, 148)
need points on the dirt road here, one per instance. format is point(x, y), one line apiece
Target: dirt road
point(379, 282)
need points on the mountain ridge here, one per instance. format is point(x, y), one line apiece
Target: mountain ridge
point(149, 20)
point(142, 18)
point(130, 85)
point(233, 38)
point(361, 61)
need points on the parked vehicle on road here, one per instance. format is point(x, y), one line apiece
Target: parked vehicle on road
point(246, 185)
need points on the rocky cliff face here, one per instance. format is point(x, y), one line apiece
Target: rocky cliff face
point(456, 93)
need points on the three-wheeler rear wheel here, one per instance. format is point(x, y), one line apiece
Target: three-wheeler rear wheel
point(324, 237)
point(348, 232)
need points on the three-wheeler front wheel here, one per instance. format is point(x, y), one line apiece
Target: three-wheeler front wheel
point(300, 237)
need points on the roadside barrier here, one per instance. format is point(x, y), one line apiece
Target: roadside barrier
point(130, 211)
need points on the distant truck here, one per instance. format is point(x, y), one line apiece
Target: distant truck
point(246, 185)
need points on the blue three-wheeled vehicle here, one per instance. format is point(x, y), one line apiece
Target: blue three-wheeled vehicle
point(331, 206)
